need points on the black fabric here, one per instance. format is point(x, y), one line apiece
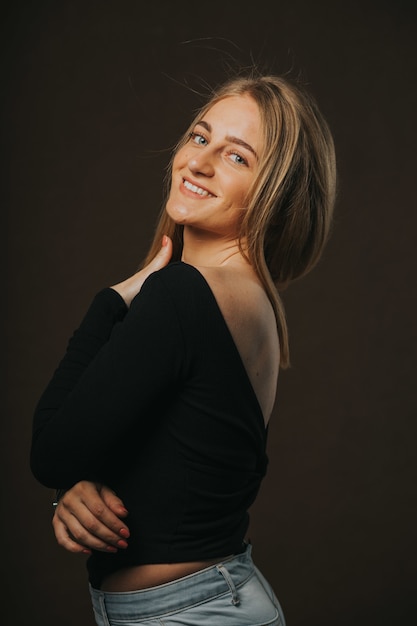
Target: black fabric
point(155, 401)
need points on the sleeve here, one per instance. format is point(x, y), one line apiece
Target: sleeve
point(118, 365)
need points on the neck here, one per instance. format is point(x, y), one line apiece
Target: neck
point(205, 250)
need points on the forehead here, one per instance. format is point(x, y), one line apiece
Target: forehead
point(236, 116)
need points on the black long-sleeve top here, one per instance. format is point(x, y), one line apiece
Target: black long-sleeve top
point(155, 402)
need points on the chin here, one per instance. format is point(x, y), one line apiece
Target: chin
point(176, 212)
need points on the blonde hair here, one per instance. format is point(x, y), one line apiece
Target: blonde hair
point(290, 203)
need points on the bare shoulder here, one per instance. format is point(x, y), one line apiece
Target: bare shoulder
point(240, 295)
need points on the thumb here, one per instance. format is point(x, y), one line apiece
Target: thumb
point(164, 255)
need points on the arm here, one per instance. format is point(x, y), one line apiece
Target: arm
point(108, 381)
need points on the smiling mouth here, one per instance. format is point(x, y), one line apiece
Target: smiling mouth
point(195, 189)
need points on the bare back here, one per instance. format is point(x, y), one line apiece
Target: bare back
point(251, 320)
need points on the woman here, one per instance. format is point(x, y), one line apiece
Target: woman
point(158, 412)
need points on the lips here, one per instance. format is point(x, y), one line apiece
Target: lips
point(196, 189)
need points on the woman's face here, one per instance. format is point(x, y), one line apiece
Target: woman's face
point(212, 172)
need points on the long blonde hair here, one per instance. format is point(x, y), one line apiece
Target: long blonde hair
point(290, 204)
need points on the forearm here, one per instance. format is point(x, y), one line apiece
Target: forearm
point(105, 312)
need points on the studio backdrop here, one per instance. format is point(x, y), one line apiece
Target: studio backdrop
point(94, 96)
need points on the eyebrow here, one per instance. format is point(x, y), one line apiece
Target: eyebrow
point(230, 138)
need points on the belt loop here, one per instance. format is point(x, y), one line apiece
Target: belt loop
point(103, 608)
point(223, 571)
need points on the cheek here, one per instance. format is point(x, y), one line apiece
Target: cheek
point(237, 194)
point(181, 158)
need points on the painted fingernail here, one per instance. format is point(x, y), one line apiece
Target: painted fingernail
point(85, 551)
point(124, 533)
point(111, 549)
point(122, 544)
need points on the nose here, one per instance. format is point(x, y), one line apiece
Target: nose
point(201, 163)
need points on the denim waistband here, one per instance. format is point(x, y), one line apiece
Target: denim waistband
point(223, 578)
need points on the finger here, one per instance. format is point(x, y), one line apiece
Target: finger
point(100, 519)
point(86, 531)
point(64, 540)
point(114, 503)
point(87, 498)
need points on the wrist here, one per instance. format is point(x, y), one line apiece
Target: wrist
point(58, 495)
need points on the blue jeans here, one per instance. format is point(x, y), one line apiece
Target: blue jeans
point(231, 593)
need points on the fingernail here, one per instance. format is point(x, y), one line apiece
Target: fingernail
point(122, 544)
point(111, 549)
point(124, 533)
point(164, 241)
point(85, 551)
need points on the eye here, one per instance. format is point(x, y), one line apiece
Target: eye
point(198, 138)
point(237, 158)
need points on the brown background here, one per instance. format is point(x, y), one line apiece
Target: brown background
point(93, 95)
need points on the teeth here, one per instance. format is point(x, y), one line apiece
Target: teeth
point(195, 189)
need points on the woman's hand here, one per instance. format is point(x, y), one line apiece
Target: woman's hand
point(89, 516)
point(130, 287)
